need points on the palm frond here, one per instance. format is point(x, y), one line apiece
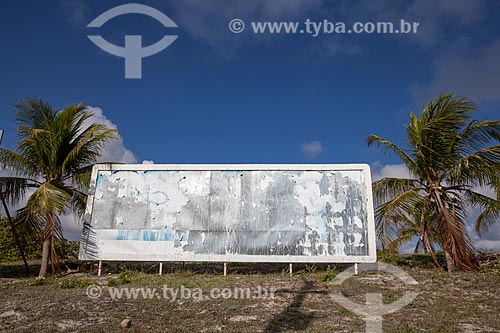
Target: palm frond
point(17, 164)
point(480, 168)
point(388, 146)
point(453, 235)
point(34, 113)
point(14, 189)
point(48, 199)
point(449, 156)
point(490, 210)
point(388, 188)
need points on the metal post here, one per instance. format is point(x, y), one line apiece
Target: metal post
point(99, 268)
point(225, 268)
point(291, 269)
point(161, 268)
point(356, 272)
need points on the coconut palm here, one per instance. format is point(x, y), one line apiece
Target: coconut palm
point(52, 164)
point(397, 227)
point(448, 157)
point(7, 194)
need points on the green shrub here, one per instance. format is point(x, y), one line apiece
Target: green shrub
point(112, 283)
point(43, 281)
point(329, 274)
point(125, 276)
point(31, 244)
point(389, 257)
point(76, 283)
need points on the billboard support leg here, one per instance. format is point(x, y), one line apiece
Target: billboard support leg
point(161, 269)
point(99, 268)
point(356, 271)
point(291, 269)
point(225, 268)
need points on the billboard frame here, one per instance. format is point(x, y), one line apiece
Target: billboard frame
point(364, 168)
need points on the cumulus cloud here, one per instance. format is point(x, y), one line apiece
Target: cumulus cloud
point(148, 162)
point(115, 150)
point(312, 149)
point(380, 171)
point(489, 240)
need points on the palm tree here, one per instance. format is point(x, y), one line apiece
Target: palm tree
point(448, 157)
point(396, 227)
point(5, 195)
point(52, 163)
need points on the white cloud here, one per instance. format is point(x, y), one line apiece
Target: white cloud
point(487, 245)
point(487, 241)
point(312, 149)
point(115, 150)
point(148, 162)
point(380, 171)
point(72, 228)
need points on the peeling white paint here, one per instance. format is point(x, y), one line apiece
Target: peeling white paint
point(233, 213)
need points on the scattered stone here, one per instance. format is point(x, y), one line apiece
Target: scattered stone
point(212, 329)
point(238, 319)
point(16, 314)
point(125, 323)
point(64, 325)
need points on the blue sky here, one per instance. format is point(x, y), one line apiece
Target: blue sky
point(218, 97)
point(214, 96)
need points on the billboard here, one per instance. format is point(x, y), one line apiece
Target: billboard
point(244, 213)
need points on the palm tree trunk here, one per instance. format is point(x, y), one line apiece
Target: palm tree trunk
point(45, 257)
point(449, 261)
point(424, 247)
point(430, 248)
point(46, 245)
point(53, 255)
point(15, 234)
point(425, 237)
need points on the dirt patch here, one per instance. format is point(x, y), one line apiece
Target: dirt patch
point(460, 302)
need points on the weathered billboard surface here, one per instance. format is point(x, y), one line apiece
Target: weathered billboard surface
point(246, 213)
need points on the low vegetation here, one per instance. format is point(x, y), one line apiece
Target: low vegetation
point(457, 302)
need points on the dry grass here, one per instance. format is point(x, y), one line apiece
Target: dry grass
point(460, 302)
